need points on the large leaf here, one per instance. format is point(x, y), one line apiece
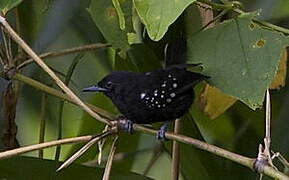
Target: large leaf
point(240, 57)
point(105, 17)
point(34, 168)
point(157, 16)
point(143, 57)
point(6, 5)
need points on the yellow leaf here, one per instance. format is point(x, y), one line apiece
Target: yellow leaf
point(213, 102)
point(280, 77)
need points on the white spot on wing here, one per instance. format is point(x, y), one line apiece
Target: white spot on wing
point(142, 95)
point(175, 85)
point(173, 95)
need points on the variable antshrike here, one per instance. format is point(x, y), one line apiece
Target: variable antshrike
point(157, 96)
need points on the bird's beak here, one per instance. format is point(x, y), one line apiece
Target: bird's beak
point(94, 89)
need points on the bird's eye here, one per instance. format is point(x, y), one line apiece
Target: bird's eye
point(109, 85)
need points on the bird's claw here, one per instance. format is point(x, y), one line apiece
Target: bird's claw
point(125, 125)
point(161, 134)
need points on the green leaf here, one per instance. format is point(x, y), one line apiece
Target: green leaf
point(34, 168)
point(6, 5)
point(240, 57)
point(105, 17)
point(144, 57)
point(157, 16)
point(31, 18)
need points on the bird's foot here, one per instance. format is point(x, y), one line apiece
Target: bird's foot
point(161, 134)
point(125, 125)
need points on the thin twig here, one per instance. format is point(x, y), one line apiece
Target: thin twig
point(84, 149)
point(89, 47)
point(176, 152)
point(5, 44)
point(108, 166)
point(267, 139)
point(234, 5)
point(25, 149)
point(266, 24)
point(34, 56)
point(264, 156)
point(281, 159)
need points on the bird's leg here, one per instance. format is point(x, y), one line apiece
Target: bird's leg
point(162, 131)
point(124, 124)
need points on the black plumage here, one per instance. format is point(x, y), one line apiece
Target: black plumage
point(157, 96)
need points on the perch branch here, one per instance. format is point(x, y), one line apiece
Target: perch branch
point(245, 161)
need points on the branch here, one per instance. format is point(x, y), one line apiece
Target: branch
point(266, 24)
point(85, 148)
point(108, 165)
point(34, 56)
point(25, 149)
point(235, 5)
point(64, 52)
point(245, 161)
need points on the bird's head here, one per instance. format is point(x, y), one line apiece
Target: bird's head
point(112, 84)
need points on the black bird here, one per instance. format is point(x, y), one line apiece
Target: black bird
point(157, 96)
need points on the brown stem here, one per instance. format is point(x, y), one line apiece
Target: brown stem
point(64, 52)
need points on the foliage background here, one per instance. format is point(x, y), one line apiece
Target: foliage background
point(54, 25)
